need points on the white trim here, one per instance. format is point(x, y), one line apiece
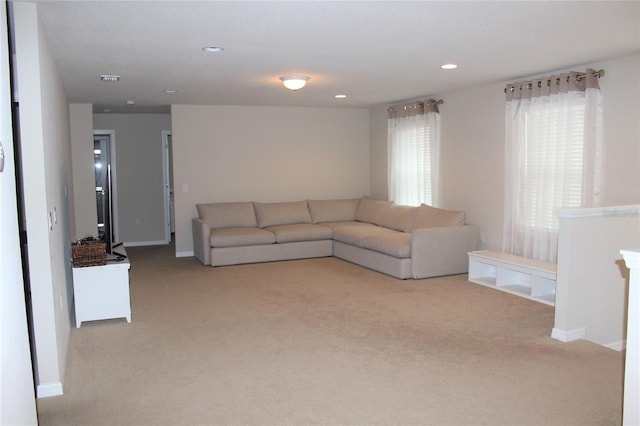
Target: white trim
point(145, 243)
point(617, 346)
point(184, 253)
point(568, 335)
point(631, 257)
point(612, 211)
point(166, 188)
point(114, 181)
point(49, 389)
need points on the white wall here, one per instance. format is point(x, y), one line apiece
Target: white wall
point(46, 166)
point(84, 188)
point(473, 145)
point(268, 154)
point(138, 141)
point(17, 398)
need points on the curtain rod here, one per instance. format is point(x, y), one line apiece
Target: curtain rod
point(596, 74)
point(438, 102)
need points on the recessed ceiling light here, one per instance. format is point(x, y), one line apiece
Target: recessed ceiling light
point(106, 110)
point(449, 66)
point(131, 102)
point(213, 49)
point(170, 91)
point(340, 96)
point(109, 78)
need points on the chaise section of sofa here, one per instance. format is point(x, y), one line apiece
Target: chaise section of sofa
point(401, 241)
point(406, 241)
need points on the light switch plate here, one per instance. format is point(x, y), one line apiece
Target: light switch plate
point(1, 158)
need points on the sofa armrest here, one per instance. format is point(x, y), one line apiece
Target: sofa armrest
point(442, 250)
point(201, 246)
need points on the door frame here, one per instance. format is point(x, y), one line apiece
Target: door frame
point(113, 195)
point(166, 185)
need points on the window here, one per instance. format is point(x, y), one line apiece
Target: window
point(552, 164)
point(552, 159)
point(413, 147)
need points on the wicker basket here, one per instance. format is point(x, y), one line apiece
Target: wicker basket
point(89, 253)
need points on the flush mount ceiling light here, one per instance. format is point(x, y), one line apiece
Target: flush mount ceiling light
point(340, 96)
point(294, 82)
point(449, 66)
point(109, 78)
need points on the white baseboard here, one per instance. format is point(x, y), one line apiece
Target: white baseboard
point(49, 389)
point(184, 253)
point(568, 335)
point(580, 333)
point(617, 346)
point(146, 243)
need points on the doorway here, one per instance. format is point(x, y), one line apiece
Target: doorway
point(104, 160)
point(167, 167)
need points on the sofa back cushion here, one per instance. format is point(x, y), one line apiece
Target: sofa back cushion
point(333, 210)
point(228, 215)
point(370, 210)
point(271, 214)
point(430, 217)
point(399, 217)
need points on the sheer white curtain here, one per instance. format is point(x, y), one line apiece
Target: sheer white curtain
point(413, 153)
point(553, 158)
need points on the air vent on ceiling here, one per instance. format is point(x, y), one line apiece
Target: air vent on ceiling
point(110, 78)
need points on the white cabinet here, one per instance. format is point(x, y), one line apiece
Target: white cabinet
point(102, 292)
point(524, 277)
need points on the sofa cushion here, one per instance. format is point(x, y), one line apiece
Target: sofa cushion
point(335, 225)
point(300, 232)
point(397, 244)
point(271, 214)
point(430, 217)
point(399, 217)
point(370, 210)
point(236, 237)
point(333, 210)
point(227, 215)
point(355, 235)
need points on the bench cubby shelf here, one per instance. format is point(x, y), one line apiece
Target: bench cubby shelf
point(517, 275)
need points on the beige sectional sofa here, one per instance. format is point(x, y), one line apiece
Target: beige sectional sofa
point(401, 241)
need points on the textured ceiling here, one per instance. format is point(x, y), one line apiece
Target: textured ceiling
point(374, 52)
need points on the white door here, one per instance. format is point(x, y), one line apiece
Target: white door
point(17, 392)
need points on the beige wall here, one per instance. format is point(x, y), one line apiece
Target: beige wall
point(472, 147)
point(378, 152)
point(592, 281)
point(139, 170)
point(46, 167)
point(84, 188)
point(243, 153)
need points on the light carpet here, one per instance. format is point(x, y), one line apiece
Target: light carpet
point(323, 341)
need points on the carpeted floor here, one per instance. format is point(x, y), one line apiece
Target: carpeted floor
point(323, 341)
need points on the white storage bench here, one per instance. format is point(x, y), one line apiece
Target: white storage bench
point(102, 292)
point(517, 275)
